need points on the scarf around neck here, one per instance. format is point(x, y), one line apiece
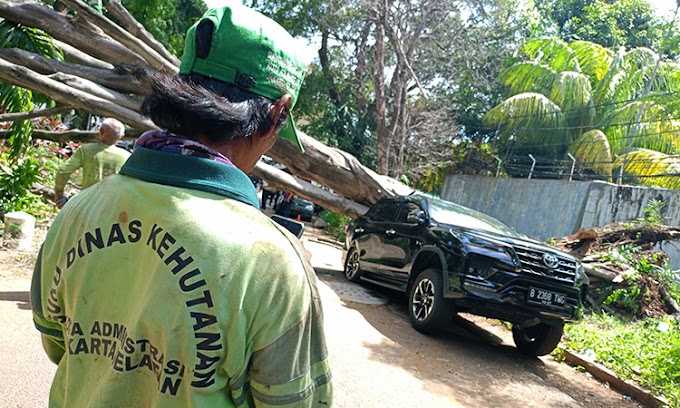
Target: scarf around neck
point(176, 144)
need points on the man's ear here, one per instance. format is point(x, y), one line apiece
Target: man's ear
point(276, 110)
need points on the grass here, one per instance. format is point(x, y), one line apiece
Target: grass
point(645, 351)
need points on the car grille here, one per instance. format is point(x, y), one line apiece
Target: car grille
point(532, 262)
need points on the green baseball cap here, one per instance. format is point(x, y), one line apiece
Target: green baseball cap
point(252, 52)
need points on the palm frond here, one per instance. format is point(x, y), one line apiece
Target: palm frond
point(592, 151)
point(623, 129)
point(15, 35)
point(528, 77)
point(593, 58)
point(572, 92)
point(606, 89)
point(553, 52)
point(527, 119)
point(652, 168)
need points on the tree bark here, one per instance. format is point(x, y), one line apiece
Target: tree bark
point(74, 32)
point(97, 90)
point(122, 79)
point(61, 93)
point(133, 27)
point(134, 44)
point(39, 113)
point(84, 136)
point(287, 182)
point(76, 56)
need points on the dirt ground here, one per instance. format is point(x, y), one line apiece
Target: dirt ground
point(382, 361)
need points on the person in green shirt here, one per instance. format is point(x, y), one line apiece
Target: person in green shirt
point(165, 285)
point(97, 160)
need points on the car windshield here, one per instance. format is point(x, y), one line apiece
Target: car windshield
point(445, 212)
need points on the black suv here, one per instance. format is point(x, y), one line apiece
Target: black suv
point(449, 258)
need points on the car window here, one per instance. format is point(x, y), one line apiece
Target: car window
point(453, 214)
point(407, 208)
point(383, 212)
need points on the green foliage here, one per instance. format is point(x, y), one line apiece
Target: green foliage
point(337, 224)
point(37, 165)
point(646, 351)
point(15, 99)
point(167, 21)
point(628, 23)
point(581, 98)
point(653, 212)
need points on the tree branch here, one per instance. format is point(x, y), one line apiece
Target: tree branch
point(97, 90)
point(76, 56)
point(117, 33)
point(28, 79)
point(74, 32)
point(39, 113)
point(121, 78)
point(136, 29)
point(285, 181)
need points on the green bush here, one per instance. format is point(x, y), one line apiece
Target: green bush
point(337, 224)
point(38, 164)
point(646, 351)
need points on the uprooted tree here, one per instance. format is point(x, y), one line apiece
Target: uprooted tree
point(106, 70)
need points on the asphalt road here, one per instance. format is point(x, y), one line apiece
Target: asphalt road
point(378, 360)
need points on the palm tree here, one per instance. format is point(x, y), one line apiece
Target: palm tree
point(583, 99)
point(16, 99)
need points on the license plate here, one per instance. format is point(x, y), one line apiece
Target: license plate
point(546, 297)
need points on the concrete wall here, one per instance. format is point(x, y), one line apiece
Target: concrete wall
point(557, 208)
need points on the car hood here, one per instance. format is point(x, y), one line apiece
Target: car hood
point(515, 240)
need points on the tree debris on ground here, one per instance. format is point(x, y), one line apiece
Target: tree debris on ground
point(626, 267)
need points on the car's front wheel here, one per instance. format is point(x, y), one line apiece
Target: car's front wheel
point(428, 310)
point(352, 271)
point(537, 340)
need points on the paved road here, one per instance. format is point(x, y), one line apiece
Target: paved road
point(378, 360)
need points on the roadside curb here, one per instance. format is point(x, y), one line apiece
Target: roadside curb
point(636, 392)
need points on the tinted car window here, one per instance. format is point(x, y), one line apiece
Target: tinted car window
point(407, 208)
point(383, 212)
point(453, 214)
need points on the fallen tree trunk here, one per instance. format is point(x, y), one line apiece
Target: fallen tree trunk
point(66, 95)
point(353, 186)
point(133, 27)
point(121, 78)
point(123, 37)
point(80, 36)
point(39, 113)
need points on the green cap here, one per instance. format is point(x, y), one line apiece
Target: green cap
point(252, 52)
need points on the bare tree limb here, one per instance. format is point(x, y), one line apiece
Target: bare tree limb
point(133, 27)
point(83, 136)
point(284, 181)
point(60, 137)
point(38, 113)
point(97, 90)
point(75, 33)
point(335, 169)
point(61, 93)
point(121, 79)
point(122, 36)
point(76, 56)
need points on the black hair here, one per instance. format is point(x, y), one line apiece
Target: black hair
point(195, 104)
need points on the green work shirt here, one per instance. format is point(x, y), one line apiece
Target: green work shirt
point(98, 160)
point(165, 286)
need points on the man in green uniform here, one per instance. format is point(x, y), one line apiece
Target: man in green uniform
point(97, 160)
point(165, 285)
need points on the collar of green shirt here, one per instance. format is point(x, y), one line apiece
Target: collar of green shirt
point(196, 173)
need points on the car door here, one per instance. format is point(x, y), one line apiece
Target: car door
point(370, 234)
point(403, 240)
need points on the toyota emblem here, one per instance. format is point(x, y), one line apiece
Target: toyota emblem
point(551, 261)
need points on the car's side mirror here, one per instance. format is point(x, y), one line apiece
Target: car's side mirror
point(417, 217)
